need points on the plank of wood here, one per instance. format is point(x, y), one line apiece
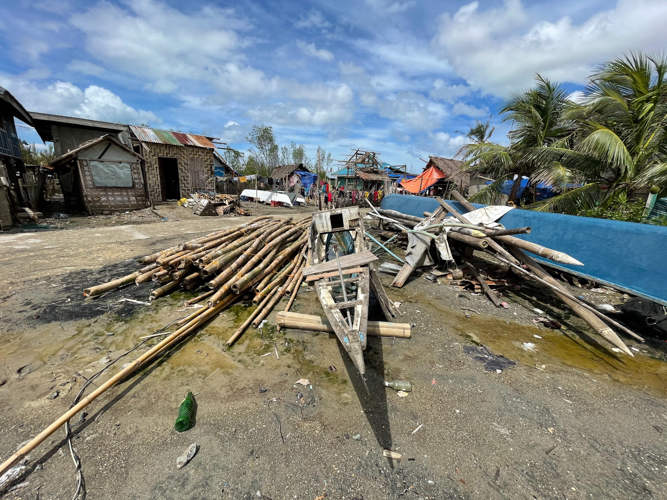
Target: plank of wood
point(490, 293)
point(346, 261)
point(388, 308)
point(316, 277)
point(348, 304)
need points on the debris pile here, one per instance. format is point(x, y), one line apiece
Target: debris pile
point(264, 257)
point(213, 204)
point(458, 236)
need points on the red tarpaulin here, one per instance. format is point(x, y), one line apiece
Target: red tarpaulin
point(423, 181)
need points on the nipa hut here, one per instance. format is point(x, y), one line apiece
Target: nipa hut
point(102, 175)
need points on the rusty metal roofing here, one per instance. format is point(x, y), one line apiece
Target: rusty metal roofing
point(157, 136)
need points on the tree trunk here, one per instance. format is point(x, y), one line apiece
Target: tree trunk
point(515, 189)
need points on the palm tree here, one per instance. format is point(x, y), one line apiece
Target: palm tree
point(537, 121)
point(620, 142)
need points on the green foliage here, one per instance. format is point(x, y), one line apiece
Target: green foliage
point(31, 156)
point(293, 155)
point(264, 152)
point(612, 142)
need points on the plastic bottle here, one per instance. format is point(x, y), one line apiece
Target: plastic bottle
point(400, 385)
point(184, 420)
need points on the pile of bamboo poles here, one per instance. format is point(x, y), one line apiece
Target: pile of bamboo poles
point(508, 250)
point(264, 257)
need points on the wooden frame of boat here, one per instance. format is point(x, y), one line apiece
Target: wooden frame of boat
point(348, 315)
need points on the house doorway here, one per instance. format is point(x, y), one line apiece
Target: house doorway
point(169, 184)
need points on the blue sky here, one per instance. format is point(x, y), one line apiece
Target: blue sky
point(402, 77)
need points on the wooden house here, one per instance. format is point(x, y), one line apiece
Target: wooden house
point(102, 175)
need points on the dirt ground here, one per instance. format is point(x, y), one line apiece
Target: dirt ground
point(499, 409)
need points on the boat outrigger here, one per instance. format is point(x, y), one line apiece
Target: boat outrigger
point(340, 265)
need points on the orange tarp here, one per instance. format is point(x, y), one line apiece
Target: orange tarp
point(423, 181)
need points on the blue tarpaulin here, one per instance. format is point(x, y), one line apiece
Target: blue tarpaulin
point(307, 179)
point(626, 255)
point(542, 191)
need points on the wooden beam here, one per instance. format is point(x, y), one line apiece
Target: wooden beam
point(346, 261)
point(316, 277)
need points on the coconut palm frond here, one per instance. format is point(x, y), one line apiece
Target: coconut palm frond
point(603, 144)
point(571, 202)
point(491, 194)
point(557, 175)
point(655, 175)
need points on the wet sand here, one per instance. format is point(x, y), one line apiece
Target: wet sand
point(571, 419)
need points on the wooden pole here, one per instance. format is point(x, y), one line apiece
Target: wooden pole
point(132, 367)
point(490, 293)
point(540, 250)
point(316, 323)
point(587, 313)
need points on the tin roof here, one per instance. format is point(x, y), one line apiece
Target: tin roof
point(157, 136)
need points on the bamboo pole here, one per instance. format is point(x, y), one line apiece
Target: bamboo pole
point(199, 298)
point(492, 243)
point(142, 278)
point(540, 250)
point(132, 367)
point(316, 323)
point(105, 287)
point(250, 319)
point(587, 313)
point(490, 293)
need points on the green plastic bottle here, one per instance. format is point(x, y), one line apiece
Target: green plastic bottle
point(184, 419)
point(400, 385)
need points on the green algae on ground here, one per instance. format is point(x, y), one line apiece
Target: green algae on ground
point(566, 349)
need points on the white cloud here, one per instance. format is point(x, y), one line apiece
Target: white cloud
point(407, 56)
point(310, 50)
point(499, 50)
point(412, 110)
point(314, 19)
point(64, 98)
point(463, 109)
point(317, 105)
point(157, 42)
point(85, 67)
point(448, 93)
point(444, 144)
point(390, 6)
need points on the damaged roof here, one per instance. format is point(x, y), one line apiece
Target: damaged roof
point(157, 136)
point(108, 137)
point(372, 176)
point(18, 110)
point(452, 169)
point(283, 170)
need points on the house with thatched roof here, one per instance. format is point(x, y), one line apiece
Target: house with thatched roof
point(293, 177)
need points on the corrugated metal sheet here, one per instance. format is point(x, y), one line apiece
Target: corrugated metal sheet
point(157, 136)
point(144, 134)
point(184, 139)
point(167, 137)
point(202, 141)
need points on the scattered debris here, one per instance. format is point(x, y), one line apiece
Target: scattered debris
point(187, 456)
point(528, 346)
point(185, 413)
point(399, 385)
point(332, 369)
point(548, 322)
point(492, 362)
point(302, 381)
point(420, 426)
point(53, 395)
point(356, 437)
point(392, 455)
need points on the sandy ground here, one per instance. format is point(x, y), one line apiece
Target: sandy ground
point(563, 417)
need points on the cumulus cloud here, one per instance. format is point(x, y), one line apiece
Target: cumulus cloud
point(309, 105)
point(64, 98)
point(500, 49)
point(444, 144)
point(310, 50)
point(413, 110)
point(463, 109)
point(448, 93)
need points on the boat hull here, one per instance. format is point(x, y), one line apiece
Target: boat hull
point(625, 255)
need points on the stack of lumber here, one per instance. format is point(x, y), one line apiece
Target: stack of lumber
point(505, 250)
point(264, 257)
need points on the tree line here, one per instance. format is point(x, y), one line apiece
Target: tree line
point(599, 151)
point(265, 155)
